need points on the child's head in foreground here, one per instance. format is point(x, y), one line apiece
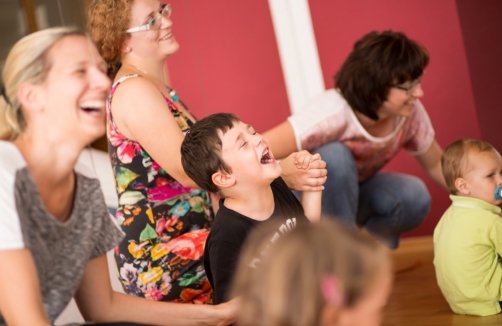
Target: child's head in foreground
point(318, 274)
point(220, 151)
point(472, 168)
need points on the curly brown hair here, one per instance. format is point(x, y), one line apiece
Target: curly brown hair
point(107, 22)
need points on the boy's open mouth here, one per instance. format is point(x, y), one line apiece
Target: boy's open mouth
point(266, 157)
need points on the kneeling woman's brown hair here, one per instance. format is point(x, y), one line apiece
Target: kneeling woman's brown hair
point(286, 280)
point(378, 61)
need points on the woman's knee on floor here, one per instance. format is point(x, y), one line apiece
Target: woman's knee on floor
point(392, 204)
point(417, 204)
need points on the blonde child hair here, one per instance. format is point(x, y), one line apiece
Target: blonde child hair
point(26, 62)
point(291, 279)
point(454, 161)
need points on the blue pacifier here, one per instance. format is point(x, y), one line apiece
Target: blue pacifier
point(498, 193)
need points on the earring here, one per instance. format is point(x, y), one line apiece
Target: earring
point(128, 49)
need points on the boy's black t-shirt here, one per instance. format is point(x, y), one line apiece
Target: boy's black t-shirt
point(230, 230)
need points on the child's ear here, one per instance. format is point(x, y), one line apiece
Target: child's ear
point(222, 179)
point(462, 186)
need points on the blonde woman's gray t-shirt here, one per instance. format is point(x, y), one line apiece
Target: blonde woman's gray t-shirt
point(60, 251)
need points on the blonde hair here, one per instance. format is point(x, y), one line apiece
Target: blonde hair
point(285, 288)
point(26, 62)
point(454, 161)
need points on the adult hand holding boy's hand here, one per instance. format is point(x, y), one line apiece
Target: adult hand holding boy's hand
point(303, 171)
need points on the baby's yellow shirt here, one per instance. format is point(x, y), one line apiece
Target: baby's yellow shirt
point(467, 249)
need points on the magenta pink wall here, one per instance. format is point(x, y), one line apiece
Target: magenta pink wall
point(228, 61)
point(481, 23)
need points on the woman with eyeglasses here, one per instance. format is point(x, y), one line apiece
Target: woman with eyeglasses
point(55, 229)
point(361, 125)
point(165, 217)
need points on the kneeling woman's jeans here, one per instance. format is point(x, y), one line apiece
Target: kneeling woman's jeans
point(387, 204)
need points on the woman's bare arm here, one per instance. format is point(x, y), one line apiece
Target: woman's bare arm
point(99, 303)
point(281, 140)
point(20, 298)
point(431, 162)
point(141, 113)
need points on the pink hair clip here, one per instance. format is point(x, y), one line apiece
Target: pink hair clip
point(330, 287)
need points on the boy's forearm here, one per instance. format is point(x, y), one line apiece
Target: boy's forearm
point(311, 202)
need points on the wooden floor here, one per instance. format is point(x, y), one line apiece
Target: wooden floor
point(416, 299)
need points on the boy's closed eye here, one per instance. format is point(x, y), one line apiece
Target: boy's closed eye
point(252, 132)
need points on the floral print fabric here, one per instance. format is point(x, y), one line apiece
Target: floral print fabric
point(166, 224)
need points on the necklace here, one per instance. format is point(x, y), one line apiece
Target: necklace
point(173, 95)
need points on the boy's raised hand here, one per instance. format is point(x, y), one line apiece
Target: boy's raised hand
point(304, 158)
point(311, 178)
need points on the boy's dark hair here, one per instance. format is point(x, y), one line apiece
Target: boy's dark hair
point(454, 161)
point(201, 149)
point(378, 61)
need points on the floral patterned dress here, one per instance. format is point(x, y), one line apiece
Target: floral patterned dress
point(166, 224)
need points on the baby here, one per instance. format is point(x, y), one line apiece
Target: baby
point(468, 238)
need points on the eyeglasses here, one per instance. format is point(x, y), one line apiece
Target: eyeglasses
point(155, 22)
point(410, 87)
